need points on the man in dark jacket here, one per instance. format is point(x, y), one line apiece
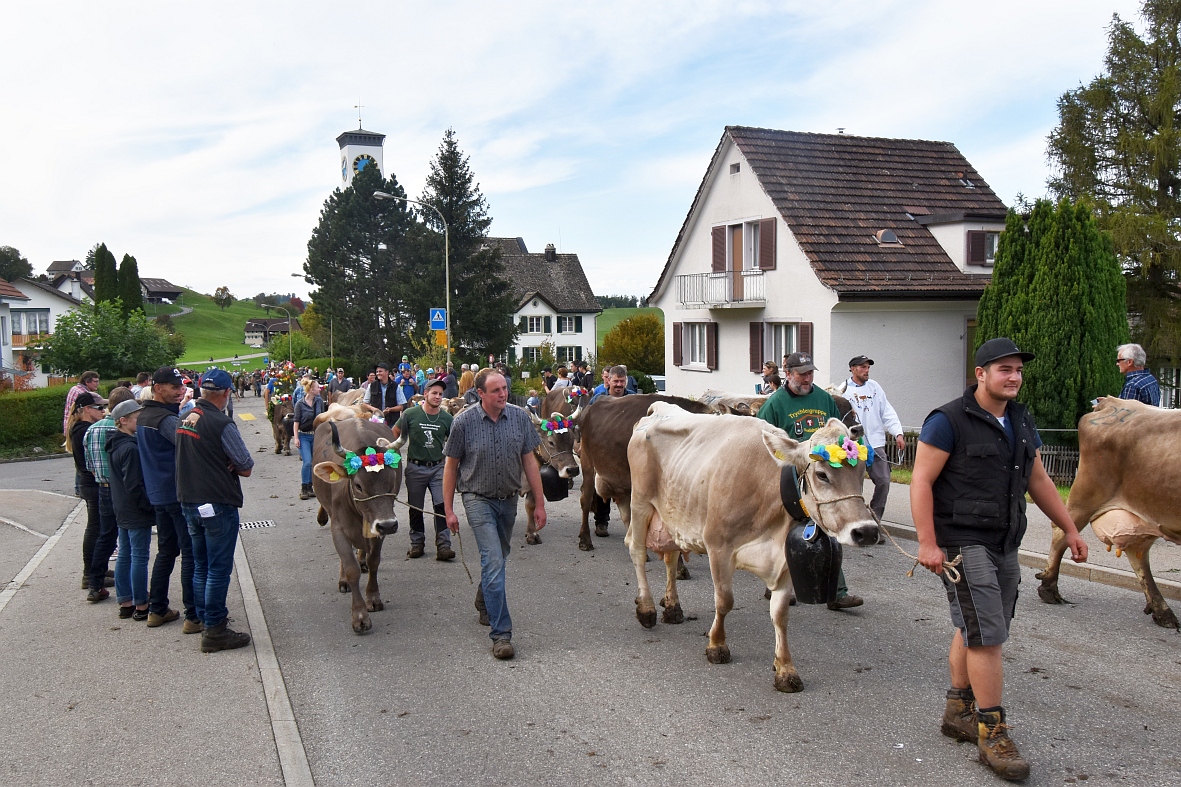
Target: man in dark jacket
point(156, 431)
point(977, 457)
point(451, 382)
point(383, 394)
point(133, 511)
point(210, 458)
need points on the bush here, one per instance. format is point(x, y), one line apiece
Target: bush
point(30, 416)
point(637, 343)
point(644, 382)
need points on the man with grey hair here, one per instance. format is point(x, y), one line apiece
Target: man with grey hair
point(1139, 384)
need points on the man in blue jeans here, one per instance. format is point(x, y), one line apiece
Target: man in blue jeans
point(210, 458)
point(489, 448)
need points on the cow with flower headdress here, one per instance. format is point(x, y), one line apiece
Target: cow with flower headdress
point(556, 456)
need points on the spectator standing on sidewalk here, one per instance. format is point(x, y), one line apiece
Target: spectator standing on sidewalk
point(87, 383)
point(1139, 384)
point(210, 458)
point(98, 463)
point(426, 429)
point(86, 412)
point(879, 419)
point(133, 511)
point(306, 410)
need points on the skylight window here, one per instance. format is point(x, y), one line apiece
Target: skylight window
point(887, 239)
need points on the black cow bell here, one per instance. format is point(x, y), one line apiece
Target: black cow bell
point(813, 556)
point(553, 486)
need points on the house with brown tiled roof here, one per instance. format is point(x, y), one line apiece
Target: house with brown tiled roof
point(835, 245)
point(10, 296)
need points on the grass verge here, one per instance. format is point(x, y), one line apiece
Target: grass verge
point(43, 446)
point(612, 317)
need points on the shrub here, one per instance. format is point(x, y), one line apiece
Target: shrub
point(29, 416)
point(644, 382)
point(637, 343)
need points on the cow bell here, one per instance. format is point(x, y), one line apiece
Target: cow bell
point(814, 560)
point(553, 486)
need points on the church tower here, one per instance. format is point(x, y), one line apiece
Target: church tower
point(359, 149)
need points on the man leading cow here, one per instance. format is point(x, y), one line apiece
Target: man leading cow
point(426, 429)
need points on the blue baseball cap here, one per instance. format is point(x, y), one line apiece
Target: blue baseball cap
point(216, 380)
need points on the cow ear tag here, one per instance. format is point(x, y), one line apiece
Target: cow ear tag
point(333, 476)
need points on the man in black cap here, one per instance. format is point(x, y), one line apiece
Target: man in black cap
point(425, 430)
point(977, 457)
point(383, 394)
point(878, 418)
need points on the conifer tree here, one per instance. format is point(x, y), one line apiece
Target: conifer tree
point(129, 285)
point(106, 278)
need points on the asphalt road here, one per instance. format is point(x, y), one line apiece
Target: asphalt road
point(1093, 689)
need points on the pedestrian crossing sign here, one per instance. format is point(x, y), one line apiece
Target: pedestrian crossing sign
point(438, 319)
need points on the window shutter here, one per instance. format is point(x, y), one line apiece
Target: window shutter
point(711, 345)
point(805, 338)
point(719, 243)
point(512, 356)
point(756, 346)
point(976, 248)
point(524, 325)
point(578, 350)
point(767, 244)
point(676, 344)
point(578, 326)
point(549, 324)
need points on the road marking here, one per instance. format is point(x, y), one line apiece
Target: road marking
point(42, 491)
point(293, 759)
point(19, 580)
point(246, 416)
point(19, 526)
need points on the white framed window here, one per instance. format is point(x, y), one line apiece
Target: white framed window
point(531, 354)
point(991, 239)
point(782, 339)
point(695, 344)
point(17, 324)
point(566, 325)
point(982, 247)
point(569, 354)
point(535, 324)
point(742, 250)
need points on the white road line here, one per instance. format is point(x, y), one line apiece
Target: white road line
point(43, 492)
point(293, 759)
point(19, 526)
point(19, 580)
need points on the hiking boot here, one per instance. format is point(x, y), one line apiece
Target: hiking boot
point(222, 637)
point(305, 492)
point(846, 602)
point(95, 596)
point(483, 610)
point(959, 715)
point(444, 552)
point(997, 749)
point(601, 530)
point(155, 620)
point(193, 626)
point(503, 649)
point(416, 550)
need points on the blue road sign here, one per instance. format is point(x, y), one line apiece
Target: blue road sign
point(438, 319)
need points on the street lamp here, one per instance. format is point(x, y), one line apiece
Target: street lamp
point(268, 307)
point(446, 257)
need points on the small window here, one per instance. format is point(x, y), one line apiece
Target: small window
point(991, 239)
point(887, 238)
point(566, 325)
point(695, 349)
point(781, 340)
point(535, 325)
point(569, 354)
point(531, 354)
point(735, 168)
point(982, 246)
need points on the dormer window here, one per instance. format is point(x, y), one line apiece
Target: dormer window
point(964, 181)
point(982, 247)
point(887, 239)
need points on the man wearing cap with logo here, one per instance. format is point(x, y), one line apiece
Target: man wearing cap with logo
point(156, 432)
point(976, 459)
point(210, 458)
point(800, 409)
point(879, 419)
point(426, 429)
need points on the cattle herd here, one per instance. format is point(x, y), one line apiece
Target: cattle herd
point(702, 476)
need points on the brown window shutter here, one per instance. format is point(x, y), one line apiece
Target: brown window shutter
point(976, 248)
point(719, 242)
point(676, 344)
point(767, 245)
point(805, 338)
point(756, 347)
point(711, 345)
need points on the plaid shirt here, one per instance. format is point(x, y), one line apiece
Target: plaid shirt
point(98, 461)
point(1139, 385)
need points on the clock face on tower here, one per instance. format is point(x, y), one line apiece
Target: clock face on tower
point(362, 161)
point(344, 168)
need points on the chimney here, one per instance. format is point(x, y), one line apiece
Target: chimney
point(551, 254)
point(75, 289)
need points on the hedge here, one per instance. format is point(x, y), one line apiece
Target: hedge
point(28, 416)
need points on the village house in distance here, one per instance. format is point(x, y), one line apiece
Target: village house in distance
point(835, 245)
point(554, 301)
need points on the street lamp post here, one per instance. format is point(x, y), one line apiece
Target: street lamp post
point(280, 308)
point(446, 257)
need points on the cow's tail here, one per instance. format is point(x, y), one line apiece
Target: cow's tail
point(322, 517)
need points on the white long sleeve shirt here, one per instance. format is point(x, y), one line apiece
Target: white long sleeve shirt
point(875, 413)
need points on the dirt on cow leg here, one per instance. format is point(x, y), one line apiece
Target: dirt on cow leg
point(1155, 603)
point(531, 536)
point(787, 679)
point(373, 601)
point(362, 562)
point(682, 568)
point(1048, 590)
point(721, 565)
point(636, 540)
point(671, 602)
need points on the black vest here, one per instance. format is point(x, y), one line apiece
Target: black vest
point(391, 395)
point(202, 467)
point(980, 494)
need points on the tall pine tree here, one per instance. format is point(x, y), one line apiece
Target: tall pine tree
point(106, 278)
point(129, 285)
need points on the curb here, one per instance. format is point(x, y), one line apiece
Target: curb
point(1103, 575)
point(35, 458)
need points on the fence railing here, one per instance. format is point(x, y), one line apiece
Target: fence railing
point(720, 289)
point(1060, 461)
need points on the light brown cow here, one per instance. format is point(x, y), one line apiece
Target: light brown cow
point(732, 403)
point(1121, 491)
point(713, 482)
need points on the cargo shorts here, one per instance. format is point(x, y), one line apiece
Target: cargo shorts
point(984, 600)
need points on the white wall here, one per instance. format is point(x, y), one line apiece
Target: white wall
point(537, 307)
point(5, 335)
point(349, 154)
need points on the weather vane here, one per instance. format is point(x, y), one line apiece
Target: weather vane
point(358, 106)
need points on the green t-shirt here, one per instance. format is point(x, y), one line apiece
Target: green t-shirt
point(799, 416)
point(426, 434)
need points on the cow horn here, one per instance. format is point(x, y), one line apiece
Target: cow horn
point(336, 440)
point(536, 419)
point(577, 411)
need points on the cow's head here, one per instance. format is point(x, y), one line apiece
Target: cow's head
point(557, 435)
point(831, 490)
point(373, 475)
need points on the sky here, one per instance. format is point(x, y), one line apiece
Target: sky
point(200, 138)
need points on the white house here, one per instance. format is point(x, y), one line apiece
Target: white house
point(554, 301)
point(10, 297)
point(35, 320)
point(835, 245)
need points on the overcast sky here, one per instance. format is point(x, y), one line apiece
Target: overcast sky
point(200, 137)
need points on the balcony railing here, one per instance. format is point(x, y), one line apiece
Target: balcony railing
point(727, 290)
point(22, 340)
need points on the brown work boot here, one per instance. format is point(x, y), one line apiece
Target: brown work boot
point(416, 550)
point(444, 552)
point(997, 749)
point(846, 602)
point(155, 619)
point(222, 637)
point(503, 649)
point(193, 626)
point(959, 715)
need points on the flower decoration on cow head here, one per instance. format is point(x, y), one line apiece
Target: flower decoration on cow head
point(372, 461)
point(554, 426)
point(575, 392)
point(848, 452)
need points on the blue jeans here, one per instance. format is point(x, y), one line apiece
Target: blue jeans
point(172, 539)
point(108, 536)
point(214, 539)
point(492, 522)
point(306, 441)
point(131, 568)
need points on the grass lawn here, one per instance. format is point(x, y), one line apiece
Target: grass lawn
point(211, 331)
point(612, 317)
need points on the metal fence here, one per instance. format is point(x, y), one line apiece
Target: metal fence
point(1061, 462)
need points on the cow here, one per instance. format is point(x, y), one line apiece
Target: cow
point(565, 401)
point(556, 449)
point(731, 403)
point(348, 398)
point(1120, 491)
point(283, 423)
point(713, 484)
point(604, 429)
point(359, 505)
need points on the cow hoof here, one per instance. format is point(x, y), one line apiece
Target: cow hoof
point(287, 452)
point(718, 655)
point(788, 682)
point(647, 618)
point(767, 594)
point(375, 606)
point(601, 532)
point(673, 614)
point(364, 567)
point(586, 546)
point(532, 538)
point(277, 451)
point(362, 626)
point(1165, 619)
point(1050, 595)
point(343, 587)
point(683, 572)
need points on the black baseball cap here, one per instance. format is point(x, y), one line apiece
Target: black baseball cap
point(857, 360)
point(167, 375)
point(383, 365)
point(800, 362)
point(433, 382)
point(1000, 347)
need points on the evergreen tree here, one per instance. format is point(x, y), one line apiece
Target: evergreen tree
point(481, 301)
point(88, 263)
point(129, 287)
point(1118, 144)
point(12, 265)
point(106, 278)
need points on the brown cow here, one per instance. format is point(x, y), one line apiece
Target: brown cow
point(1118, 491)
point(605, 427)
point(684, 469)
point(283, 424)
point(556, 449)
point(360, 506)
